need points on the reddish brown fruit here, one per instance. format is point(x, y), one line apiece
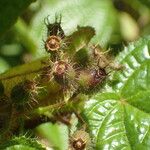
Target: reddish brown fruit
point(60, 68)
point(78, 144)
point(80, 140)
point(53, 43)
point(97, 76)
point(91, 78)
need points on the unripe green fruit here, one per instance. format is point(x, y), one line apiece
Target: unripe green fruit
point(84, 78)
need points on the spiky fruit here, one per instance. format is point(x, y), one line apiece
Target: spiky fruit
point(91, 78)
point(53, 43)
point(59, 72)
point(97, 76)
point(80, 140)
point(60, 68)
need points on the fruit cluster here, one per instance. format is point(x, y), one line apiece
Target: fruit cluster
point(71, 71)
point(73, 63)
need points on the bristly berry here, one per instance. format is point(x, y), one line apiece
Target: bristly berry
point(78, 144)
point(1, 88)
point(80, 141)
point(23, 92)
point(91, 78)
point(60, 68)
point(53, 43)
point(59, 71)
point(97, 76)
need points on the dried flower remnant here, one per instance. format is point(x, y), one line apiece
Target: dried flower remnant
point(80, 140)
point(53, 43)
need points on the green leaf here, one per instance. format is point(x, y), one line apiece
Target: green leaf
point(56, 134)
point(22, 31)
point(9, 12)
point(17, 74)
point(18, 147)
point(75, 13)
point(3, 65)
point(119, 117)
point(80, 39)
point(22, 143)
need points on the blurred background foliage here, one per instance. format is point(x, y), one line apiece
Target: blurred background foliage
point(116, 22)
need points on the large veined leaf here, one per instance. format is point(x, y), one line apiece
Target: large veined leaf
point(9, 12)
point(95, 13)
point(22, 143)
point(56, 134)
point(119, 117)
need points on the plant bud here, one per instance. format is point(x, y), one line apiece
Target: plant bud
point(60, 68)
point(53, 43)
point(80, 140)
point(59, 71)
